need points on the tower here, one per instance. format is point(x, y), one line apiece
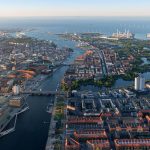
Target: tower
point(139, 83)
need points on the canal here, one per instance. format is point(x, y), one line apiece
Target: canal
point(31, 130)
point(32, 126)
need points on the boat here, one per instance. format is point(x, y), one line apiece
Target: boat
point(49, 109)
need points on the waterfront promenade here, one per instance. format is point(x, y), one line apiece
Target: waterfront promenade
point(50, 140)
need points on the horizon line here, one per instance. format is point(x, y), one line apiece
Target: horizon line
point(72, 16)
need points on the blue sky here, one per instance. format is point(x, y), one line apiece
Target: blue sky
point(74, 7)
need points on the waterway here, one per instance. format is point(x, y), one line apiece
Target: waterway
point(31, 131)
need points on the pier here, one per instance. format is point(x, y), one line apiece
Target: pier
point(10, 130)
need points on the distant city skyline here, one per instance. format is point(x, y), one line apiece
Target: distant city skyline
point(74, 8)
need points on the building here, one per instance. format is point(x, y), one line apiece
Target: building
point(129, 94)
point(1, 111)
point(16, 89)
point(71, 144)
point(134, 144)
point(148, 119)
point(123, 35)
point(84, 120)
point(139, 84)
point(16, 101)
point(148, 85)
point(90, 134)
point(98, 145)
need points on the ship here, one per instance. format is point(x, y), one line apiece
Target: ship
point(148, 35)
point(123, 35)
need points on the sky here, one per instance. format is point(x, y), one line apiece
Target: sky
point(74, 8)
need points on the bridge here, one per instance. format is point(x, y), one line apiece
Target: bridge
point(44, 93)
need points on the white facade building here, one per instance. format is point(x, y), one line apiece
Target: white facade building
point(139, 84)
